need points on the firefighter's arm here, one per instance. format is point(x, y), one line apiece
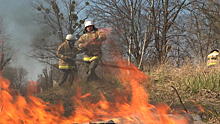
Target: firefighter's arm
point(60, 53)
point(75, 53)
point(101, 36)
point(91, 41)
point(80, 43)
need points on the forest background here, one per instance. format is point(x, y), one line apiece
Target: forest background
point(148, 33)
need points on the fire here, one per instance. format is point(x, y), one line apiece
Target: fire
point(17, 109)
point(203, 110)
point(32, 87)
point(28, 110)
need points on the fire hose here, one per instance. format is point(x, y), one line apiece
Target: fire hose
point(107, 65)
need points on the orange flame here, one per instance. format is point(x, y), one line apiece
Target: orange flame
point(32, 87)
point(21, 110)
point(203, 110)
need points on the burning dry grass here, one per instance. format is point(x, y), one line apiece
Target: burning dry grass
point(198, 87)
point(106, 99)
point(130, 103)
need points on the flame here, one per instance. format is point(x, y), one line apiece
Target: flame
point(130, 105)
point(106, 31)
point(202, 109)
point(32, 87)
point(21, 110)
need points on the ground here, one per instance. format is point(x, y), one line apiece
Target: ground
point(207, 100)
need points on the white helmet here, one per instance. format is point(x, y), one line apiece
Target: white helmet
point(88, 23)
point(69, 37)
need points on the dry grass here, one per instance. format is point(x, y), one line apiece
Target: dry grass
point(198, 87)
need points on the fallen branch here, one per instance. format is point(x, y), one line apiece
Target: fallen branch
point(180, 99)
point(171, 103)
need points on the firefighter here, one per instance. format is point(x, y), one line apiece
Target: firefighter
point(67, 51)
point(213, 58)
point(90, 43)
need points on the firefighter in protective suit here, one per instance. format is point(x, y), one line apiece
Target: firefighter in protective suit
point(213, 58)
point(65, 52)
point(90, 43)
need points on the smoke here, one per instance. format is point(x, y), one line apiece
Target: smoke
point(18, 15)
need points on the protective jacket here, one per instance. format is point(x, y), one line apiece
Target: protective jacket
point(213, 58)
point(93, 50)
point(64, 51)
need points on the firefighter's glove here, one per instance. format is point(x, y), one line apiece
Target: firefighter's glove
point(91, 41)
point(84, 45)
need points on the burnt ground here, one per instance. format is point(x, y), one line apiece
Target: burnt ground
point(207, 100)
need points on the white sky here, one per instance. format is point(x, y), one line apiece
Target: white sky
point(18, 16)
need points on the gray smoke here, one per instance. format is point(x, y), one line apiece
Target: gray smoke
point(18, 15)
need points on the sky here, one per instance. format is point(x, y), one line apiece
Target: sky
point(18, 16)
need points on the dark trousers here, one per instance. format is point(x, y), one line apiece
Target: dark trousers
point(91, 66)
point(67, 76)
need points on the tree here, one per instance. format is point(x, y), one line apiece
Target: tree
point(16, 75)
point(208, 12)
point(128, 20)
point(57, 18)
point(46, 79)
point(199, 27)
point(7, 51)
point(144, 26)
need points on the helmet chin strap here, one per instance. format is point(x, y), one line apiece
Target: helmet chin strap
point(71, 42)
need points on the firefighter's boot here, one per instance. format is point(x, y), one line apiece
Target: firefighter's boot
point(91, 75)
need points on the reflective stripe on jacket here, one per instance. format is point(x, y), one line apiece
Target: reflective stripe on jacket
point(211, 64)
point(89, 59)
point(213, 58)
point(66, 67)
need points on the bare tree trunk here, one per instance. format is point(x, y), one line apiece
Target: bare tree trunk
point(46, 77)
point(164, 32)
point(146, 35)
point(178, 53)
point(131, 33)
point(50, 80)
